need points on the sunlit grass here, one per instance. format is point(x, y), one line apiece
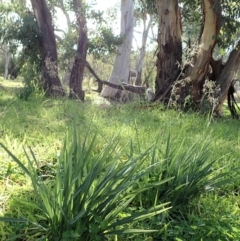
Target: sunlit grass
point(43, 123)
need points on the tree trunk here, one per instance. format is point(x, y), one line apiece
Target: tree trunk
point(77, 72)
point(228, 73)
point(7, 58)
point(52, 84)
point(195, 78)
point(121, 67)
point(140, 62)
point(169, 57)
point(212, 15)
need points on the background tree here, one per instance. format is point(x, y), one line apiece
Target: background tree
point(7, 59)
point(4, 47)
point(48, 48)
point(169, 56)
point(219, 24)
point(66, 37)
point(28, 40)
point(144, 16)
point(77, 72)
point(19, 33)
point(120, 72)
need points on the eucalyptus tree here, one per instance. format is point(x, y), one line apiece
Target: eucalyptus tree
point(145, 17)
point(204, 81)
point(4, 45)
point(7, 58)
point(19, 36)
point(77, 34)
point(142, 50)
point(46, 42)
point(77, 71)
point(29, 32)
point(80, 41)
point(48, 48)
point(65, 35)
point(120, 72)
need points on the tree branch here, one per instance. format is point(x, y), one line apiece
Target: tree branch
point(123, 86)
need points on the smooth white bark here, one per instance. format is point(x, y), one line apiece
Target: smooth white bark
point(121, 66)
point(140, 61)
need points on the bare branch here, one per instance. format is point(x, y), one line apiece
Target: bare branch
point(123, 86)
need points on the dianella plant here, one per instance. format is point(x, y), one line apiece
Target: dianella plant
point(88, 192)
point(190, 172)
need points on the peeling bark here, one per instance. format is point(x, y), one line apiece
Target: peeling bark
point(193, 80)
point(212, 15)
point(48, 48)
point(169, 57)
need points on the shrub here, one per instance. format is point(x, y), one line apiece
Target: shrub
point(193, 171)
point(32, 85)
point(87, 195)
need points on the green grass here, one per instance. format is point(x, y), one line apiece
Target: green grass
point(43, 123)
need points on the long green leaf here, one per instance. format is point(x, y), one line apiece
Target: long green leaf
point(130, 231)
point(16, 160)
point(16, 220)
point(141, 215)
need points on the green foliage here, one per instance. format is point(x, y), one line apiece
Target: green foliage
point(25, 93)
point(23, 30)
point(42, 123)
point(230, 23)
point(31, 82)
point(67, 49)
point(87, 195)
point(193, 25)
point(101, 66)
point(150, 5)
point(193, 173)
point(103, 42)
point(29, 36)
point(192, 22)
point(22, 33)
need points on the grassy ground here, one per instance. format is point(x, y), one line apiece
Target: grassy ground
point(42, 124)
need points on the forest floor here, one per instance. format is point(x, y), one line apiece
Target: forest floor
point(42, 124)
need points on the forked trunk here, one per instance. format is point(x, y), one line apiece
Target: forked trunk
point(48, 48)
point(169, 57)
point(211, 19)
point(204, 95)
point(76, 77)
